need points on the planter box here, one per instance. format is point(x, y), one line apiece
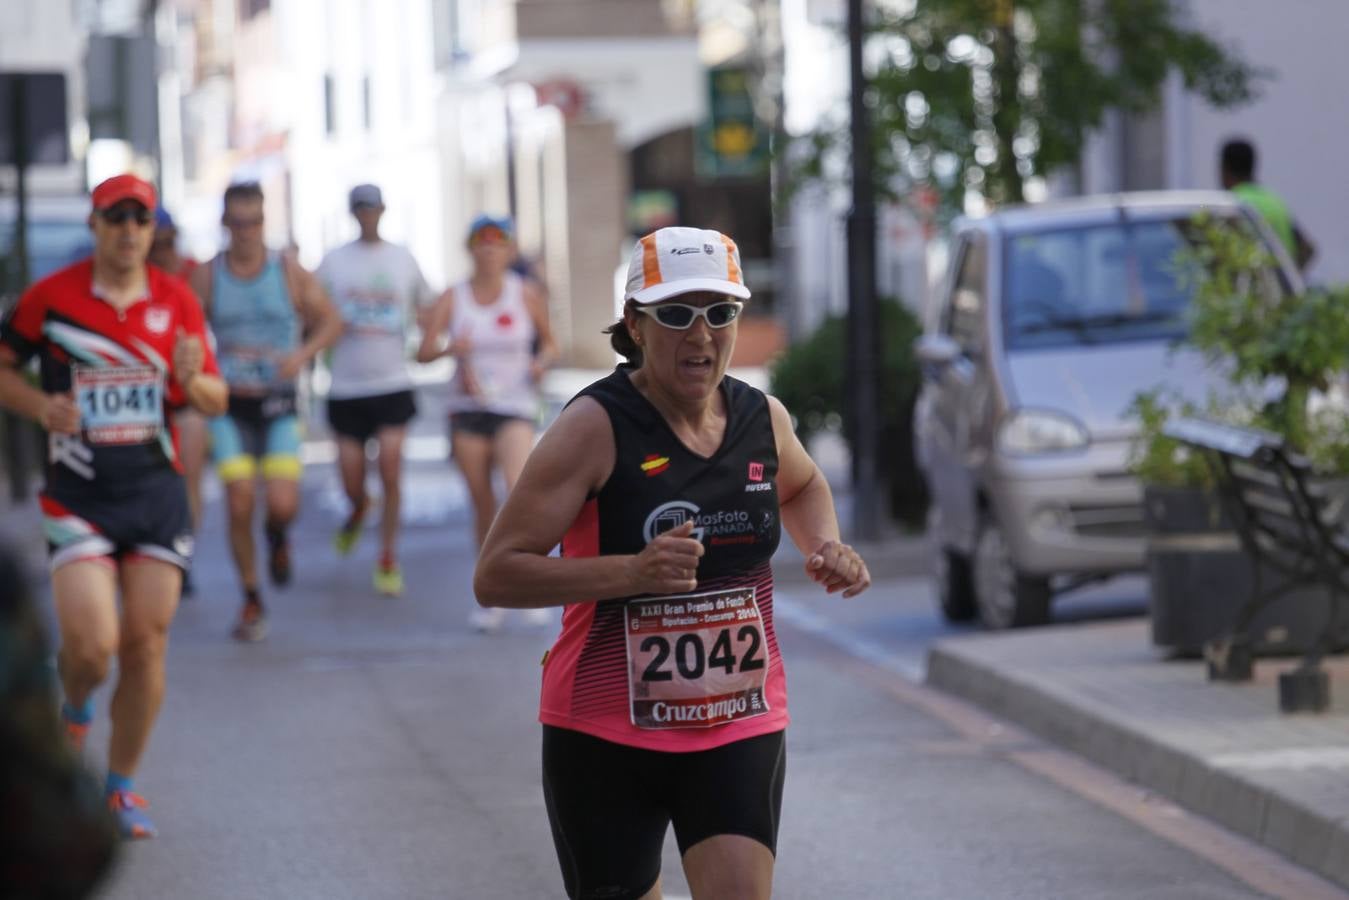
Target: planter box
point(1200, 577)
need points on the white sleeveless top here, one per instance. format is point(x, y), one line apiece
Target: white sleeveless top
point(501, 339)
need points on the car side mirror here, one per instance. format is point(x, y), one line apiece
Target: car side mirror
point(937, 350)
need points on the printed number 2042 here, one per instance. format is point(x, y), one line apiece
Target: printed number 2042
point(692, 659)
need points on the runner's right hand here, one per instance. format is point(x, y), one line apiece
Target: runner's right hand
point(470, 381)
point(669, 564)
point(60, 415)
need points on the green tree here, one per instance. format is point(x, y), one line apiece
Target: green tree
point(982, 94)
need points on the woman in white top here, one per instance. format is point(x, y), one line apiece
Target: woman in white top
point(497, 328)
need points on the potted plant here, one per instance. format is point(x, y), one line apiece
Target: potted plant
point(1280, 353)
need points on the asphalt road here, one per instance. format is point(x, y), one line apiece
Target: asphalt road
point(377, 748)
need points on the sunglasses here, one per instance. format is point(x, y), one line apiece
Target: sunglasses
point(681, 316)
point(118, 216)
point(243, 223)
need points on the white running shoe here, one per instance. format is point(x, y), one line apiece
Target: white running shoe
point(538, 616)
point(487, 620)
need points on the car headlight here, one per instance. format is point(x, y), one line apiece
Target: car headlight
point(1027, 432)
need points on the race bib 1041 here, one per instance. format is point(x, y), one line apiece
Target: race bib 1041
point(121, 404)
point(696, 660)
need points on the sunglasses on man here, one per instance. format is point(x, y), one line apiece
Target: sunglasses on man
point(681, 316)
point(141, 216)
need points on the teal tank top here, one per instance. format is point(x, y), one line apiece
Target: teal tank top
point(255, 325)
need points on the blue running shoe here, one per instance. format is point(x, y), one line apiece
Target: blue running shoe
point(127, 808)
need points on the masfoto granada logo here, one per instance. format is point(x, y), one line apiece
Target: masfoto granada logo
point(653, 465)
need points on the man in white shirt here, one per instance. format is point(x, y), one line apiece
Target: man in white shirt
point(378, 287)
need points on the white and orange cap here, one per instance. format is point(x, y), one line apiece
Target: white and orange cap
point(677, 260)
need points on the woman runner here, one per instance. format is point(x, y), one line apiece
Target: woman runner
point(667, 482)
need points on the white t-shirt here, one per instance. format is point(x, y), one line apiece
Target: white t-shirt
point(376, 287)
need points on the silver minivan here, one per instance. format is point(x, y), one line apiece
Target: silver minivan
point(1053, 318)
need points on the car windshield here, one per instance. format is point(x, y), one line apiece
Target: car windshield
point(1095, 285)
point(51, 245)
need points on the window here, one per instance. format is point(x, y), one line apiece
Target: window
point(965, 316)
point(329, 105)
point(448, 33)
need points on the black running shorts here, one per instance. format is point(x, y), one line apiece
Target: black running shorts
point(361, 418)
point(609, 805)
point(482, 424)
point(142, 516)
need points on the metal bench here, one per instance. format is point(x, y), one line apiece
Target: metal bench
point(1292, 529)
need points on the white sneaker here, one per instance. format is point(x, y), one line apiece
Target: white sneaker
point(540, 615)
point(487, 620)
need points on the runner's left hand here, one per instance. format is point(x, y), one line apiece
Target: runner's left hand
point(839, 568)
point(188, 357)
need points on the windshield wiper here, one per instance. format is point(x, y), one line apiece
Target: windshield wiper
point(1080, 324)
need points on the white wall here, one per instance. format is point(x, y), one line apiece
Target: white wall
point(1300, 125)
point(390, 41)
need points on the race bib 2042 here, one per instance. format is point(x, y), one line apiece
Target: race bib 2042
point(696, 660)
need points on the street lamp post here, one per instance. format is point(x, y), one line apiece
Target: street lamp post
point(863, 321)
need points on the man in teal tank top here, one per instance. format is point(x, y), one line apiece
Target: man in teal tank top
point(1237, 171)
point(270, 318)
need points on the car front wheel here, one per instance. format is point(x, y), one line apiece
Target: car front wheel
point(1006, 598)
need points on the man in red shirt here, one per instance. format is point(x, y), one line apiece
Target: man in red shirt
point(120, 345)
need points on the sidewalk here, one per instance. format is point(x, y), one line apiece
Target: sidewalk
point(1221, 750)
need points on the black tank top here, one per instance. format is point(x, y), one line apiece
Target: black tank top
point(658, 483)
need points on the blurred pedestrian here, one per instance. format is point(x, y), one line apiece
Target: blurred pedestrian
point(192, 434)
point(667, 484)
point(1237, 164)
point(57, 841)
point(121, 345)
point(495, 325)
point(164, 247)
point(270, 318)
point(378, 288)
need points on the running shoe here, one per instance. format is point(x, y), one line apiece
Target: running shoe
point(389, 580)
point(128, 809)
point(538, 616)
point(487, 620)
point(350, 532)
point(252, 624)
point(278, 560)
point(76, 734)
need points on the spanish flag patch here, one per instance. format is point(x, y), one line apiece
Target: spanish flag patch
point(653, 465)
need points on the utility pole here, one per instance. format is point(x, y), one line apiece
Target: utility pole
point(18, 436)
point(863, 319)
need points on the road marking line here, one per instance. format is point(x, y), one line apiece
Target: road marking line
point(803, 618)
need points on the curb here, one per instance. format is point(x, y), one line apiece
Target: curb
point(1241, 803)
